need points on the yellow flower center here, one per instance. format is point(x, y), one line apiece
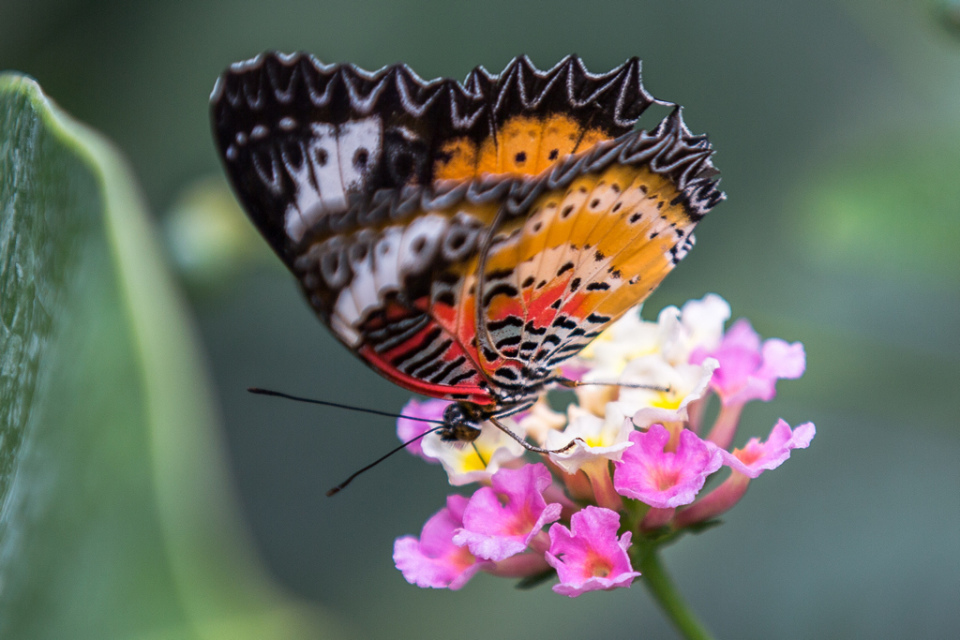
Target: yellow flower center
point(595, 441)
point(667, 400)
point(597, 565)
point(470, 461)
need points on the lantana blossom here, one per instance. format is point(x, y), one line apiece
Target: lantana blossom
point(540, 420)
point(663, 479)
point(594, 438)
point(588, 556)
point(675, 334)
point(422, 416)
point(627, 339)
point(596, 442)
point(434, 561)
point(756, 457)
point(476, 461)
point(749, 370)
point(463, 464)
point(500, 521)
point(699, 324)
point(680, 385)
point(747, 463)
point(635, 469)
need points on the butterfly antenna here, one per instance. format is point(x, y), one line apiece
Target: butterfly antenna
point(337, 489)
point(327, 403)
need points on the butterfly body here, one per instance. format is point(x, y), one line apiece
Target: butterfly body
point(463, 239)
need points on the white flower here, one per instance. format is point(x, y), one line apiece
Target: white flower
point(594, 438)
point(476, 461)
point(628, 338)
point(679, 386)
point(699, 324)
point(541, 420)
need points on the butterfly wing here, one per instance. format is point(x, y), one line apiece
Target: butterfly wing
point(594, 240)
point(444, 231)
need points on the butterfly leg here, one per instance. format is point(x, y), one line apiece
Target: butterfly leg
point(526, 445)
point(484, 337)
point(573, 384)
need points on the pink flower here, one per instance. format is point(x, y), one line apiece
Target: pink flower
point(749, 371)
point(756, 457)
point(660, 478)
point(409, 429)
point(588, 556)
point(501, 521)
point(434, 560)
point(746, 463)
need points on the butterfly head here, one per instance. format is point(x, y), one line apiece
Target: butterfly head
point(462, 424)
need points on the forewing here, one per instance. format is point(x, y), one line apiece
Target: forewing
point(303, 141)
point(537, 118)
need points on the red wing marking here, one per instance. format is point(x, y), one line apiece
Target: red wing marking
point(415, 351)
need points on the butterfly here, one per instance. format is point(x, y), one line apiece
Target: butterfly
point(464, 239)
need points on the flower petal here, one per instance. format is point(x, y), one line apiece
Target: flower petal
point(434, 561)
point(664, 479)
point(756, 457)
point(589, 556)
point(408, 429)
point(500, 521)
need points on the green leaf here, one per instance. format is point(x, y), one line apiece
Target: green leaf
point(117, 521)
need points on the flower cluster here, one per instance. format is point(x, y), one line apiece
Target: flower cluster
point(638, 465)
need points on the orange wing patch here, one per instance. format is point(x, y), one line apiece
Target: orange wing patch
point(580, 259)
point(456, 160)
point(523, 145)
point(518, 145)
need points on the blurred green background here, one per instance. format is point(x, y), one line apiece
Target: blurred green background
point(837, 126)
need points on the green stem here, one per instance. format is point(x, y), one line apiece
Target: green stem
point(669, 599)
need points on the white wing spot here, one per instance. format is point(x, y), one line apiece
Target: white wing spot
point(337, 160)
point(358, 140)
